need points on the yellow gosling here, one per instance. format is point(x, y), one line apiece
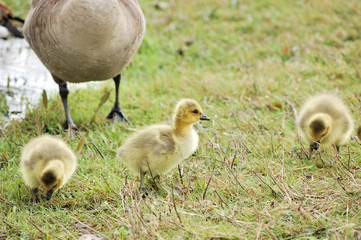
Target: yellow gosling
point(325, 119)
point(48, 162)
point(157, 149)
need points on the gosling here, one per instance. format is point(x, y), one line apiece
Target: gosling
point(48, 162)
point(157, 149)
point(325, 119)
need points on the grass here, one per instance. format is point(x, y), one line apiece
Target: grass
point(250, 178)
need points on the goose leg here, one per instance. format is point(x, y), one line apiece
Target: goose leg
point(338, 149)
point(63, 90)
point(116, 113)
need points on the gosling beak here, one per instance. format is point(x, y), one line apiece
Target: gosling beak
point(316, 145)
point(205, 117)
point(48, 194)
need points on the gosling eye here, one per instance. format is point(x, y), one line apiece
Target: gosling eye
point(195, 111)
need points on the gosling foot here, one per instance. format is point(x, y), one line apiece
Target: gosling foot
point(143, 192)
point(35, 195)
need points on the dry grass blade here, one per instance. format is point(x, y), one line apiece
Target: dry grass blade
point(66, 230)
point(273, 191)
point(69, 134)
point(81, 142)
point(83, 224)
point(103, 100)
point(38, 121)
point(209, 181)
point(44, 233)
point(45, 99)
point(174, 205)
point(96, 147)
point(293, 108)
point(11, 226)
point(6, 201)
point(220, 198)
point(235, 177)
point(109, 186)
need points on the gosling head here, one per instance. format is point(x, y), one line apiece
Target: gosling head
point(52, 178)
point(188, 112)
point(319, 127)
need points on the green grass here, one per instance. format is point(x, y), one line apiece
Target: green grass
point(250, 61)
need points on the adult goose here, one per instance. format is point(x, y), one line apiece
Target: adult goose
point(85, 40)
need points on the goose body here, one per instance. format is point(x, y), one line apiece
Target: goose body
point(325, 119)
point(47, 162)
point(85, 40)
point(157, 149)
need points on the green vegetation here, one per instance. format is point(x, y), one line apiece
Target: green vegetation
point(249, 64)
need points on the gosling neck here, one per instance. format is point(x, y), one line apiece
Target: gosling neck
point(319, 126)
point(182, 127)
point(54, 167)
point(322, 118)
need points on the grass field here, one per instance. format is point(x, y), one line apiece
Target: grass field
point(249, 64)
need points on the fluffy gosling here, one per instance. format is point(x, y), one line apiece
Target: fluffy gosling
point(48, 162)
point(325, 119)
point(159, 148)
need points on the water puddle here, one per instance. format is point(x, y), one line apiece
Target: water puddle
point(22, 79)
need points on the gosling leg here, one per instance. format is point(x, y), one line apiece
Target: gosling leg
point(116, 113)
point(63, 91)
point(338, 156)
point(35, 195)
point(155, 182)
point(142, 187)
point(311, 150)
